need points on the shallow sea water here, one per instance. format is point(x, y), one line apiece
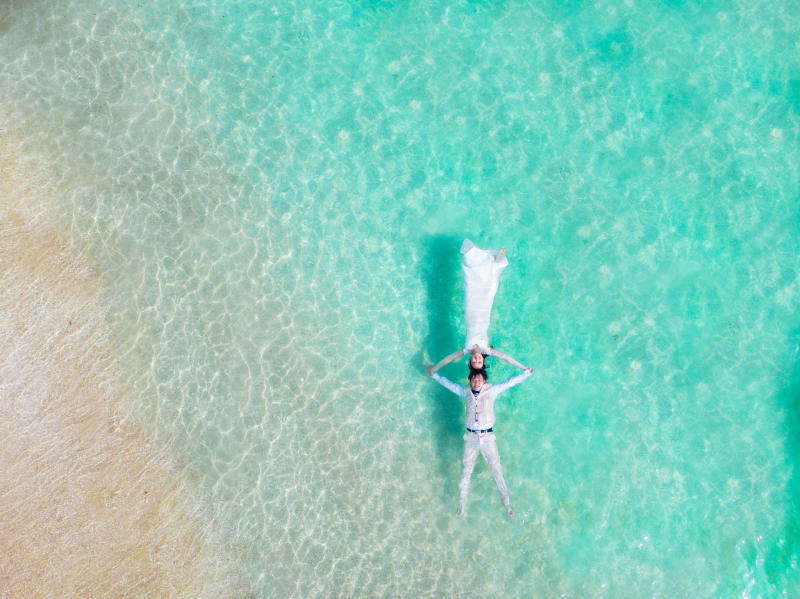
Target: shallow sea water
point(276, 195)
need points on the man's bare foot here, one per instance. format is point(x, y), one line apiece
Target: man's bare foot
point(510, 511)
point(461, 510)
point(500, 255)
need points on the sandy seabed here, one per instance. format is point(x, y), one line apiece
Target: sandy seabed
point(90, 506)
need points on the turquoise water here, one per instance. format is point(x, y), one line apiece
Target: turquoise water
point(276, 195)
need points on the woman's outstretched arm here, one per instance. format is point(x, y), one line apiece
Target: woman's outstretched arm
point(454, 356)
point(508, 359)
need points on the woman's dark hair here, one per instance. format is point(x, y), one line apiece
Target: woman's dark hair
point(485, 363)
point(480, 371)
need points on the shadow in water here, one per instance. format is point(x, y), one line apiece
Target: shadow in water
point(779, 562)
point(441, 270)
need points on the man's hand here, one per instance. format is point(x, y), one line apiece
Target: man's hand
point(429, 370)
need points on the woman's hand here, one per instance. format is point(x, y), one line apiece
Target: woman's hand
point(528, 369)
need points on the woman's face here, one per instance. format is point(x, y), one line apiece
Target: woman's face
point(476, 361)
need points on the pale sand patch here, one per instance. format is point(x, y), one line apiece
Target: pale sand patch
point(89, 506)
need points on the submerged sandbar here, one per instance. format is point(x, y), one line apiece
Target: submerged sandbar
point(91, 505)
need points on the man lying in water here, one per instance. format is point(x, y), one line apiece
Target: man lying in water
point(479, 437)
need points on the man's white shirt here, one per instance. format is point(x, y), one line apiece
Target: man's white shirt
point(494, 391)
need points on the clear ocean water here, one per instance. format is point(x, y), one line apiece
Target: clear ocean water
point(276, 193)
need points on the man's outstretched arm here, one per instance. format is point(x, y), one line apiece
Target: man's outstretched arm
point(514, 380)
point(457, 389)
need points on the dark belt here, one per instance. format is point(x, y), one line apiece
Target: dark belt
point(488, 430)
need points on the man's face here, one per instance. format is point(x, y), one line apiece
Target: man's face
point(476, 382)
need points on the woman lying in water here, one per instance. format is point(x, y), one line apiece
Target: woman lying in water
point(482, 270)
point(477, 359)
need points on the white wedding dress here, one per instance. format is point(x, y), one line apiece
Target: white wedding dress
point(481, 278)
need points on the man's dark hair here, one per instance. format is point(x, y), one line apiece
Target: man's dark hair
point(480, 371)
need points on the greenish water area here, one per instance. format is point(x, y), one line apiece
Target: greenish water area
point(276, 195)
